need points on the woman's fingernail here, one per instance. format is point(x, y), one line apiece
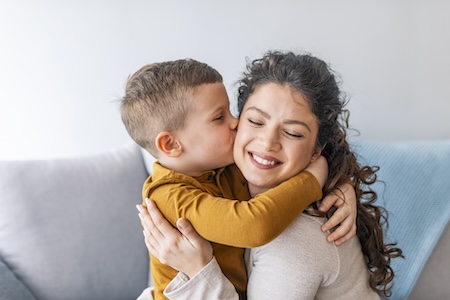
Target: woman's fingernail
point(140, 216)
point(146, 201)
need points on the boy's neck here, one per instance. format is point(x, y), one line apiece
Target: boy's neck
point(179, 167)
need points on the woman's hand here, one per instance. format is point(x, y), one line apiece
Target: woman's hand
point(344, 199)
point(183, 249)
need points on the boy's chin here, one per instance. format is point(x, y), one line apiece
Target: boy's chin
point(224, 163)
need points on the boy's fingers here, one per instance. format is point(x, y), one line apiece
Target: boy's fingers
point(329, 201)
point(334, 220)
point(326, 204)
point(344, 232)
point(345, 238)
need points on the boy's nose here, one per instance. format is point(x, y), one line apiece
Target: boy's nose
point(234, 122)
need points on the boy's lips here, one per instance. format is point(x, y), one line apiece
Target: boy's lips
point(264, 162)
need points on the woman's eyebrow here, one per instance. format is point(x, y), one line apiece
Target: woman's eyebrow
point(289, 122)
point(263, 113)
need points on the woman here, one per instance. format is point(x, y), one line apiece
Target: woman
point(272, 145)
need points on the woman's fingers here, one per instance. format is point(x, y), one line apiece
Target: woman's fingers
point(150, 230)
point(161, 227)
point(151, 244)
point(191, 235)
point(183, 249)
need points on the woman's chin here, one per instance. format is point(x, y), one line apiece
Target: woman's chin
point(259, 186)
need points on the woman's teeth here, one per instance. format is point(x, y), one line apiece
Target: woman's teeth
point(263, 161)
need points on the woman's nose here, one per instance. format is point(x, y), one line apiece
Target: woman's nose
point(270, 141)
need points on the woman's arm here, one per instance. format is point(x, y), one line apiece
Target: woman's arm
point(200, 275)
point(183, 249)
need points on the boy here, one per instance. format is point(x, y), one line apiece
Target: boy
point(179, 112)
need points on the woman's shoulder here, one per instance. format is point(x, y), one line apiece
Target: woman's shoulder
point(304, 235)
point(302, 246)
point(308, 226)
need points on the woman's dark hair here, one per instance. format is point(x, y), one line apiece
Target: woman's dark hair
point(316, 82)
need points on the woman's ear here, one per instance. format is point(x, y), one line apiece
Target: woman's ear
point(168, 145)
point(317, 152)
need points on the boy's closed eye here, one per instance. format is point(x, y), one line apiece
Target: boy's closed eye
point(218, 118)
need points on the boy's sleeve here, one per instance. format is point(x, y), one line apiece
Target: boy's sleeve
point(243, 224)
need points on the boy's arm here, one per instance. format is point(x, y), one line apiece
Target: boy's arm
point(319, 169)
point(224, 221)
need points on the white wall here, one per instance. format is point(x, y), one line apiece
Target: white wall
point(63, 64)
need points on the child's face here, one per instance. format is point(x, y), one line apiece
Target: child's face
point(210, 130)
point(276, 137)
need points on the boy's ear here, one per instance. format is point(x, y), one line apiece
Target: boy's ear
point(167, 143)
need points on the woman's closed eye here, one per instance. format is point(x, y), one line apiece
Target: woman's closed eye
point(255, 122)
point(293, 134)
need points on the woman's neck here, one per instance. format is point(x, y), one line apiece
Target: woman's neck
point(255, 190)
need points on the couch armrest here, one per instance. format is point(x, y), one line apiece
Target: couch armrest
point(433, 281)
point(11, 288)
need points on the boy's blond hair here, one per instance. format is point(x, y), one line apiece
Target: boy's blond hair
point(158, 97)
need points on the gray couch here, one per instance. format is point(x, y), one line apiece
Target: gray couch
point(69, 228)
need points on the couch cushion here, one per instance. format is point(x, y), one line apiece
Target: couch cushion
point(69, 227)
point(414, 187)
point(12, 288)
point(149, 160)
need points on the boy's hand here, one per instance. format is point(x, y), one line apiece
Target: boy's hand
point(345, 215)
point(319, 169)
point(184, 250)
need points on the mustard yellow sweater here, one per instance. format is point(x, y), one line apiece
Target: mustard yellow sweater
point(218, 206)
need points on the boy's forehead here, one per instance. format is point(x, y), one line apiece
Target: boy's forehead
point(208, 91)
point(209, 97)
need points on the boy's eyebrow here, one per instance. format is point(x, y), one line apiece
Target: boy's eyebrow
point(216, 110)
point(267, 116)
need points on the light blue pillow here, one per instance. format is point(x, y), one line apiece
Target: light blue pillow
point(416, 193)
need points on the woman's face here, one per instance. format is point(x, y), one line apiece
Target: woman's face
point(276, 136)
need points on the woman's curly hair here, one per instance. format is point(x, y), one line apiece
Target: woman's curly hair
point(314, 79)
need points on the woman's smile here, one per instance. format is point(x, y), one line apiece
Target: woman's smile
point(263, 162)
